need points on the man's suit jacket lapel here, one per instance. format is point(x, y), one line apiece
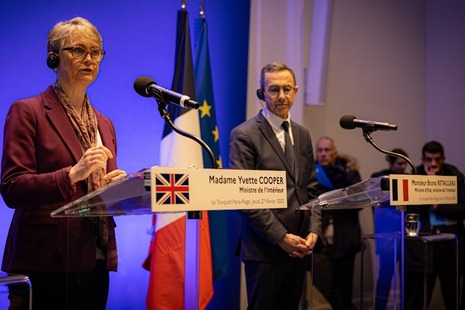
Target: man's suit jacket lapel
point(270, 136)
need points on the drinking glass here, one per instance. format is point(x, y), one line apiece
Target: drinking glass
point(412, 224)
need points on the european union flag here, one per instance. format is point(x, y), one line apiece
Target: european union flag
point(210, 135)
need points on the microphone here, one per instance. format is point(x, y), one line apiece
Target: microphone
point(350, 122)
point(146, 87)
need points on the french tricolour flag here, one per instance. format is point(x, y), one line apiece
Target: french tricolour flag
point(169, 287)
point(399, 190)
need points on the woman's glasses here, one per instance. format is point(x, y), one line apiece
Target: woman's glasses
point(81, 53)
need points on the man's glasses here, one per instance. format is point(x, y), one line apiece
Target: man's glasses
point(81, 53)
point(276, 90)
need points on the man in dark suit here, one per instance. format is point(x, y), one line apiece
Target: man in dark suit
point(275, 243)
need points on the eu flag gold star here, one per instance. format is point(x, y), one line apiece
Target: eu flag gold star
point(216, 134)
point(205, 109)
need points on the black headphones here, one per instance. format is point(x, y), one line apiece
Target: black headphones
point(53, 60)
point(260, 94)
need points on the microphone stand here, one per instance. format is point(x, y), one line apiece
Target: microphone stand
point(402, 209)
point(369, 139)
point(197, 215)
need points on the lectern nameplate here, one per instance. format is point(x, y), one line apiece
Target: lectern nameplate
point(175, 189)
point(165, 189)
point(422, 189)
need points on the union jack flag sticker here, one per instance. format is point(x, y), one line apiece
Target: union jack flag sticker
point(172, 188)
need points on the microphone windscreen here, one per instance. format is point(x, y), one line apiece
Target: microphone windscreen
point(141, 84)
point(347, 122)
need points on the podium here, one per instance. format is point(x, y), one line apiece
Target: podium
point(370, 193)
point(165, 189)
point(382, 287)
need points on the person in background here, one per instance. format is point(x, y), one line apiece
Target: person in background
point(437, 219)
point(341, 228)
point(275, 243)
point(57, 148)
point(397, 165)
point(387, 226)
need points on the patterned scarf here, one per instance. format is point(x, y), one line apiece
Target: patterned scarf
point(85, 127)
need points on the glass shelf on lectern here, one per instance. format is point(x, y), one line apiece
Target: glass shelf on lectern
point(367, 193)
point(129, 195)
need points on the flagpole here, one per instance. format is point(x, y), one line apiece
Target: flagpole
point(202, 9)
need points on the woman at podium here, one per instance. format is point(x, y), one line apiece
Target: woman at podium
point(57, 148)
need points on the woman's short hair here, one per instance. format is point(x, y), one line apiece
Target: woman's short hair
point(64, 30)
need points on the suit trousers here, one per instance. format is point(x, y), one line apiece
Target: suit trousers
point(275, 285)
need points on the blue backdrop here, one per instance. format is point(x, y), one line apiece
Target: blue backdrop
point(139, 39)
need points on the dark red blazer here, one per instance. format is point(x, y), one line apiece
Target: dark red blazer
point(39, 148)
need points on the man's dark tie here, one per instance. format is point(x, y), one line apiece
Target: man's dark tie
point(289, 149)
